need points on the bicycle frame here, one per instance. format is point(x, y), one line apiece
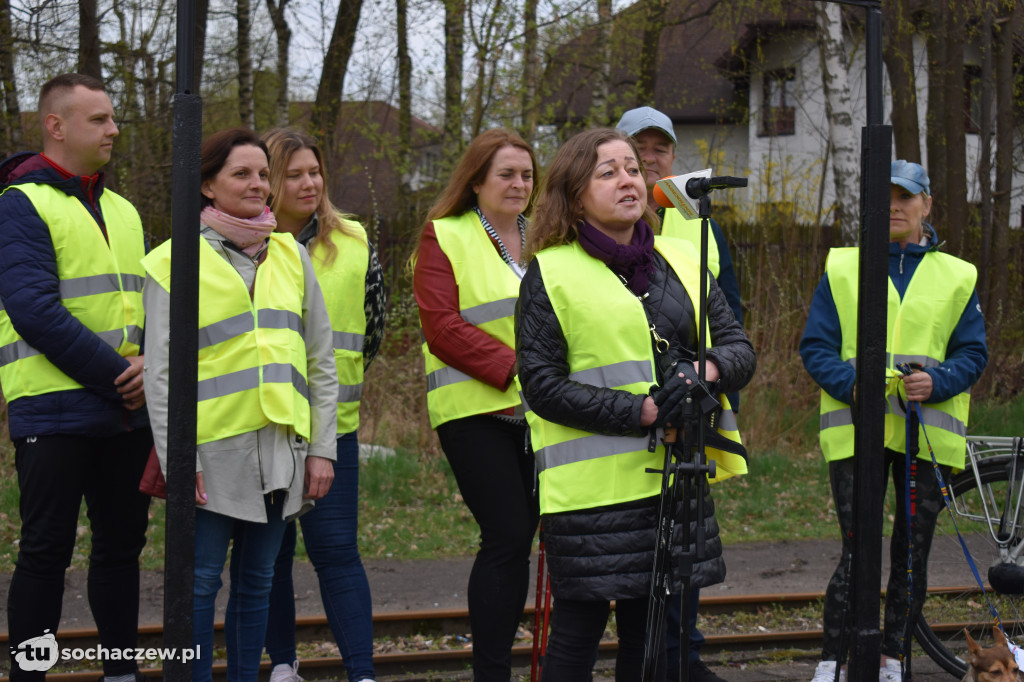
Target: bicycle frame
point(988, 447)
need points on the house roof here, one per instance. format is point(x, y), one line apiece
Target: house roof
point(701, 70)
point(366, 168)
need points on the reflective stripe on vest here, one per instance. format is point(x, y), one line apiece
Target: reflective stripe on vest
point(918, 329)
point(343, 283)
point(609, 345)
point(675, 225)
point(252, 355)
point(488, 290)
point(100, 284)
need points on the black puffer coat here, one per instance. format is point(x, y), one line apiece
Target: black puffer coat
point(608, 552)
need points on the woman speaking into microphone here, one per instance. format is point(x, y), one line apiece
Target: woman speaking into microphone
point(604, 310)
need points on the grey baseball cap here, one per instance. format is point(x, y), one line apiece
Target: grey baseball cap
point(637, 120)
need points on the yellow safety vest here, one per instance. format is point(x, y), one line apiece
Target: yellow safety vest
point(100, 284)
point(918, 329)
point(674, 225)
point(343, 283)
point(609, 345)
point(252, 356)
point(488, 291)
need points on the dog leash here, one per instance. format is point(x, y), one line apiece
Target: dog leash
point(1018, 653)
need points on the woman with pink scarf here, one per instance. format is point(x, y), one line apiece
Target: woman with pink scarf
point(267, 393)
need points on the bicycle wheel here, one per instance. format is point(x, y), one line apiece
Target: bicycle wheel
point(978, 510)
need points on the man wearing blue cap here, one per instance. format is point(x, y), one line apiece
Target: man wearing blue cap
point(655, 139)
point(936, 331)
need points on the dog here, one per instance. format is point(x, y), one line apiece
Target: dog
point(995, 664)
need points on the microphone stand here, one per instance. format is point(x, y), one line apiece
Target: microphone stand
point(685, 463)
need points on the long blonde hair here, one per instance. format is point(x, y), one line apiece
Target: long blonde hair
point(559, 212)
point(282, 143)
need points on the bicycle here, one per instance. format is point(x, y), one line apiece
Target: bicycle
point(987, 499)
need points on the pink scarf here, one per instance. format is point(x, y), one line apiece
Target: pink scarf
point(248, 234)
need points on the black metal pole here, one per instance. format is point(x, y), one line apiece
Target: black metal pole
point(183, 353)
point(869, 471)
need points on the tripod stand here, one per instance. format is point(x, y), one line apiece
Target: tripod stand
point(686, 467)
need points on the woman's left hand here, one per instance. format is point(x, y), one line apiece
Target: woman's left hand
point(319, 476)
point(711, 372)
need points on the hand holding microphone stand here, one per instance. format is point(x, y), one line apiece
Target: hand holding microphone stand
point(686, 467)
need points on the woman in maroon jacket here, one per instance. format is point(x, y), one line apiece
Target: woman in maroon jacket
point(466, 278)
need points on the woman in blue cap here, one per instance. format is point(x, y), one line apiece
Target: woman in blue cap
point(935, 326)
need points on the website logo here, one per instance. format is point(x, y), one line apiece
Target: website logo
point(38, 653)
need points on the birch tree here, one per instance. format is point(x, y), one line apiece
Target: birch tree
point(841, 139)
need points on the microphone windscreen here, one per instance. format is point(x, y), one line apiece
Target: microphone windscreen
point(661, 198)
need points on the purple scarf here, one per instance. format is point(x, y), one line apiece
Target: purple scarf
point(634, 262)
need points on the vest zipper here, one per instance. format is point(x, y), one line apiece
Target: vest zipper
point(901, 262)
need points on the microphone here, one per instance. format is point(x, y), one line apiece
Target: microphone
point(684, 191)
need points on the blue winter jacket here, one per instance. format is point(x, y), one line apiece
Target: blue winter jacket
point(966, 352)
point(29, 292)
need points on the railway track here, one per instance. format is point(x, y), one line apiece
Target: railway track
point(407, 642)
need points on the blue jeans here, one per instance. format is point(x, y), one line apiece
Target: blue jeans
point(252, 570)
point(330, 534)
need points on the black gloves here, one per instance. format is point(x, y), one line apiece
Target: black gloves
point(681, 382)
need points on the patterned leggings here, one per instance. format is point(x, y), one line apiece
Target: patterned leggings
point(927, 505)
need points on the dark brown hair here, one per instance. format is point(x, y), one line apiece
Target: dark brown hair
point(216, 149)
point(62, 84)
point(559, 210)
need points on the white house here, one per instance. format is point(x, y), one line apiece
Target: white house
point(745, 95)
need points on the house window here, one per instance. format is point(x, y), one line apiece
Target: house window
point(778, 113)
point(972, 98)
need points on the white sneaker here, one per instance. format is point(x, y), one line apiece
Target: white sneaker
point(283, 672)
point(891, 671)
point(826, 672)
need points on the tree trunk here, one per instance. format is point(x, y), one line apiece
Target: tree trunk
point(843, 146)
point(202, 12)
point(332, 79)
point(647, 79)
point(245, 109)
point(404, 81)
point(454, 31)
point(284, 39)
point(89, 40)
point(1009, 23)
point(935, 135)
point(955, 164)
point(985, 151)
point(12, 112)
point(603, 83)
point(531, 67)
point(898, 55)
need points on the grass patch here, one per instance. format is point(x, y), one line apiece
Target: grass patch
point(410, 506)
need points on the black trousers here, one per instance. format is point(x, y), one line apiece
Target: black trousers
point(927, 505)
point(54, 474)
point(576, 630)
point(495, 474)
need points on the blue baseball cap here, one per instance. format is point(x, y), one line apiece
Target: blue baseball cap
point(637, 120)
point(910, 176)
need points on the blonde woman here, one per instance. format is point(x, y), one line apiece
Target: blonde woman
point(350, 277)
